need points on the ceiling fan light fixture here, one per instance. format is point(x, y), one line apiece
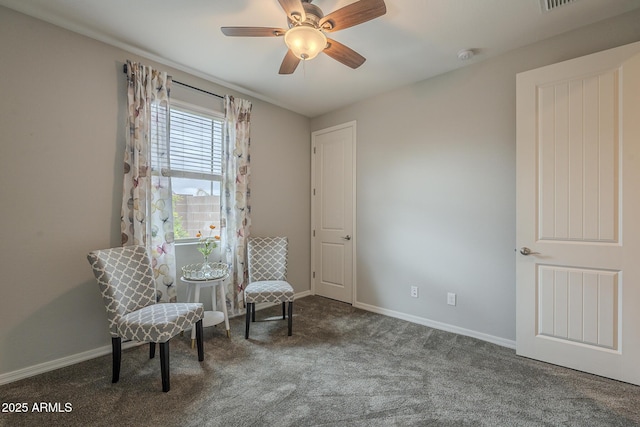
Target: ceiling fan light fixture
point(305, 42)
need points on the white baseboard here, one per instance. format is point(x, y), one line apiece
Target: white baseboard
point(302, 294)
point(41, 368)
point(52, 365)
point(438, 325)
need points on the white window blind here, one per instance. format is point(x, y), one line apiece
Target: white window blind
point(196, 145)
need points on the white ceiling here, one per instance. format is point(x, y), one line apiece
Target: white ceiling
point(415, 40)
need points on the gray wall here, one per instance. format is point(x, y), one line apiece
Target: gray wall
point(62, 114)
point(436, 185)
point(436, 193)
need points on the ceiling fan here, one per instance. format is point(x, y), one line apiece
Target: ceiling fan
point(306, 37)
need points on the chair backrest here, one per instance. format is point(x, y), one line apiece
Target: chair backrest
point(267, 258)
point(125, 278)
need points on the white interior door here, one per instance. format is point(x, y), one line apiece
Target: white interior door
point(333, 210)
point(578, 212)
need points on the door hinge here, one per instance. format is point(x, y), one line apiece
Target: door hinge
point(314, 274)
point(314, 191)
point(314, 233)
point(314, 150)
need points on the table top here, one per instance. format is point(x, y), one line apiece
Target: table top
point(204, 281)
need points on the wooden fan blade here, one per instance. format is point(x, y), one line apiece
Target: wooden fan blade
point(353, 14)
point(253, 31)
point(289, 63)
point(344, 54)
point(294, 10)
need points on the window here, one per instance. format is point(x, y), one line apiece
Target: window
point(195, 160)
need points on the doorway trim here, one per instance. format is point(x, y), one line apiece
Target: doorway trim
point(354, 238)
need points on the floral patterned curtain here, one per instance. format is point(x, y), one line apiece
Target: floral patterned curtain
point(236, 207)
point(147, 213)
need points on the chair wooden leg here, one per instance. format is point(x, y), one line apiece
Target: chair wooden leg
point(116, 345)
point(200, 344)
point(283, 315)
point(253, 311)
point(247, 321)
point(152, 350)
point(290, 317)
point(164, 365)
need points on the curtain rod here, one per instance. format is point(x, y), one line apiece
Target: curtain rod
point(124, 69)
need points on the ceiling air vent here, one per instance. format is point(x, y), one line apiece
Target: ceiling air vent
point(549, 5)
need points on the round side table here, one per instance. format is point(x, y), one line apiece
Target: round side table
point(213, 317)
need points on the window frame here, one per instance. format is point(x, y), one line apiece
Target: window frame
point(208, 113)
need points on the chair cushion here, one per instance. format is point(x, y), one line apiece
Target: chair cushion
point(159, 322)
point(268, 291)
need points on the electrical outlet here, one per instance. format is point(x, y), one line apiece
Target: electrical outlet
point(451, 298)
point(414, 292)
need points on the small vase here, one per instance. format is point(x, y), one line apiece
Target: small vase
point(206, 269)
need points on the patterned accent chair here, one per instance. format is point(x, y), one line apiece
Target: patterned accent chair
point(267, 263)
point(125, 278)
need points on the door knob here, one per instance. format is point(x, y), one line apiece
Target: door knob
point(347, 237)
point(526, 251)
